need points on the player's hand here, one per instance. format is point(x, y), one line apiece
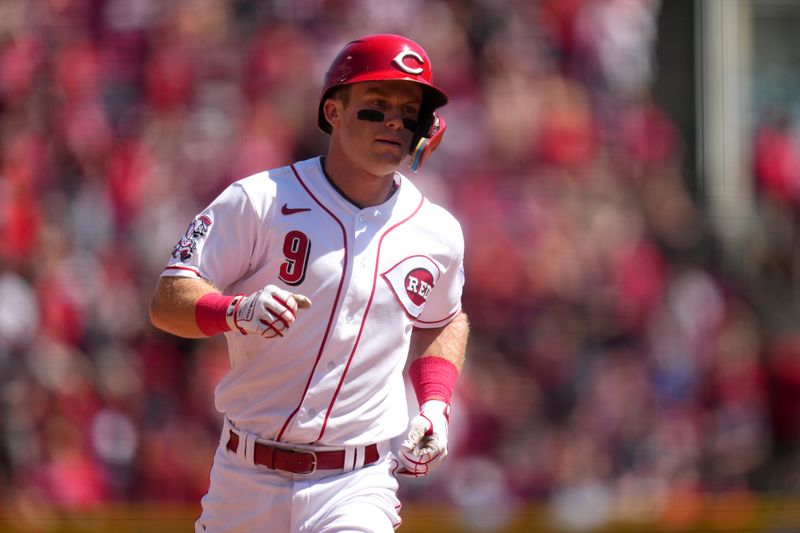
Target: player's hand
point(425, 446)
point(267, 312)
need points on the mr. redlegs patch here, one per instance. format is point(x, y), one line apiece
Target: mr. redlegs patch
point(197, 230)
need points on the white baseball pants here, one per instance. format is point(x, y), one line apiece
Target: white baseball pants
point(244, 497)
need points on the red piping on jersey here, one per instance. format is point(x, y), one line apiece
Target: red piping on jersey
point(333, 307)
point(366, 312)
point(190, 269)
point(445, 319)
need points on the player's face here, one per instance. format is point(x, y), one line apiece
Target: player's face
point(377, 124)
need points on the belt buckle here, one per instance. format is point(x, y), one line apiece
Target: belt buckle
point(313, 455)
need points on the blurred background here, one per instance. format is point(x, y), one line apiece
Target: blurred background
point(627, 174)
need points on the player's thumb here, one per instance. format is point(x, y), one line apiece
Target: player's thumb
point(302, 301)
point(416, 430)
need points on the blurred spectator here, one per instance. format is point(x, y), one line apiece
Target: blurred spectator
point(776, 161)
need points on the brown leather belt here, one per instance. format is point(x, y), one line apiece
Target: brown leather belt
point(300, 461)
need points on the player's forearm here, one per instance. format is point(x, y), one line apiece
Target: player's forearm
point(437, 358)
point(448, 342)
point(172, 308)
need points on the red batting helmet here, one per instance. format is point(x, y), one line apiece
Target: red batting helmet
point(384, 57)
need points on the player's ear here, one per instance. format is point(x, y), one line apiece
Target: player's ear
point(333, 109)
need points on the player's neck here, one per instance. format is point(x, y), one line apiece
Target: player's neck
point(356, 185)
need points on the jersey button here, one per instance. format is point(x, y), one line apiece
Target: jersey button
point(362, 218)
point(312, 413)
point(348, 318)
point(331, 366)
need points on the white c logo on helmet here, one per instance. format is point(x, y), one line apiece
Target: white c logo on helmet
point(399, 61)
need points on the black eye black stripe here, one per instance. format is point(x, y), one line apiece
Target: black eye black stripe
point(410, 124)
point(373, 115)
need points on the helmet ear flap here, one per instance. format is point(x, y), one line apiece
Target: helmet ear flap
point(426, 140)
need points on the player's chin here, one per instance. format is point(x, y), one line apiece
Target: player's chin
point(383, 163)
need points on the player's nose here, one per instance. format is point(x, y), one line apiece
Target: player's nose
point(393, 118)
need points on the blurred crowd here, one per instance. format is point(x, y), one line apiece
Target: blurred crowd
point(614, 366)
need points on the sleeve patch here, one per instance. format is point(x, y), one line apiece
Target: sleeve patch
point(411, 281)
point(196, 231)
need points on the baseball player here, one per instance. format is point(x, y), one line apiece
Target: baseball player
point(315, 392)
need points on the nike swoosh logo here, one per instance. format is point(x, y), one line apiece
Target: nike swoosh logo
point(286, 210)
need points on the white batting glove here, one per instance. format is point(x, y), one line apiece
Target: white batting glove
point(425, 446)
point(266, 312)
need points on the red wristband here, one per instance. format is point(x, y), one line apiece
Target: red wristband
point(433, 378)
point(209, 313)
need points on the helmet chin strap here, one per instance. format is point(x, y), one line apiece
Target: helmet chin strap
point(427, 143)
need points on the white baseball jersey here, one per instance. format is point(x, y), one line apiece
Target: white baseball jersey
point(335, 378)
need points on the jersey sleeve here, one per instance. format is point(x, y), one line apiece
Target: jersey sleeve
point(444, 301)
point(219, 242)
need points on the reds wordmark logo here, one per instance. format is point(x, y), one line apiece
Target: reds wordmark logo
point(187, 246)
point(412, 281)
point(418, 283)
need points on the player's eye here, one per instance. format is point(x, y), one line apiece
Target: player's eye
point(410, 111)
